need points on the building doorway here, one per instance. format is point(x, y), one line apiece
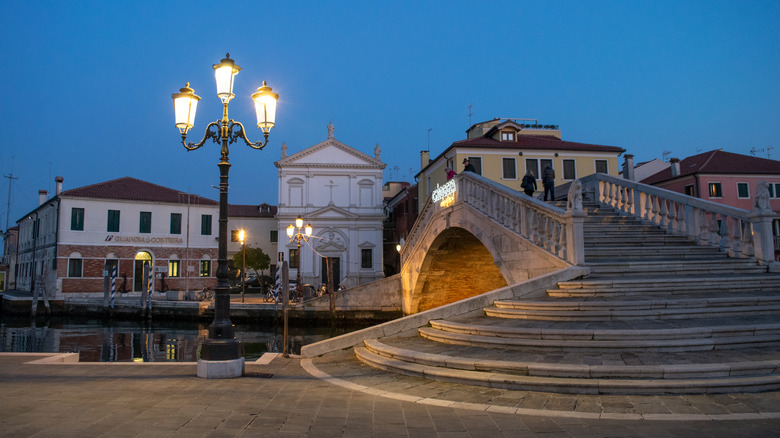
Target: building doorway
point(336, 266)
point(141, 259)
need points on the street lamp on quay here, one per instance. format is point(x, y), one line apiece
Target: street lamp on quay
point(221, 354)
point(293, 235)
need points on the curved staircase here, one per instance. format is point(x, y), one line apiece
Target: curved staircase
point(657, 315)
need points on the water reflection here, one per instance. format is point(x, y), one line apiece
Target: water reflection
point(126, 341)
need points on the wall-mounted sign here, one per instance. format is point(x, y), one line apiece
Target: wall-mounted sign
point(444, 195)
point(144, 239)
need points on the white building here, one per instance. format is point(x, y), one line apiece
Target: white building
point(67, 241)
point(338, 190)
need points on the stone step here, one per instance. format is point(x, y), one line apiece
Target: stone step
point(670, 268)
point(541, 339)
point(458, 359)
point(621, 313)
point(571, 384)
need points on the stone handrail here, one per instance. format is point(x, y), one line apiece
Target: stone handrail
point(738, 232)
point(553, 229)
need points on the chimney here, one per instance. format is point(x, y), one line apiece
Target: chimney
point(675, 166)
point(628, 168)
point(59, 180)
point(424, 159)
point(42, 196)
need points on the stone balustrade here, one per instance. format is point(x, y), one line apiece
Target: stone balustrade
point(738, 232)
point(551, 228)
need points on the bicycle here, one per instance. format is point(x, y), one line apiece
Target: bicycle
point(207, 294)
point(271, 296)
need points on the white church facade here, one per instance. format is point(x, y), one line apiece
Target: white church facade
point(338, 190)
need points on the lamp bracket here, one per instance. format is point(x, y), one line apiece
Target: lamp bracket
point(191, 146)
point(240, 133)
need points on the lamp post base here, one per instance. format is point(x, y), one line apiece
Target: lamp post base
point(221, 369)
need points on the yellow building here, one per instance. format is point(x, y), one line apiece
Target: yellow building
point(503, 150)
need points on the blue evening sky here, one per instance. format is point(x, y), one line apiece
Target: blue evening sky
point(87, 86)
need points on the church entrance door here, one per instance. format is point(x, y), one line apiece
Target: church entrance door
point(336, 266)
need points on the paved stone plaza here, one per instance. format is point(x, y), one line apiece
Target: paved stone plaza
point(336, 395)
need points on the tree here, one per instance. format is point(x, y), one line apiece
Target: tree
point(256, 259)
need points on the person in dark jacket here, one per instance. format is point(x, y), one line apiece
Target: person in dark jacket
point(469, 167)
point(548, 181)
point(529, 183)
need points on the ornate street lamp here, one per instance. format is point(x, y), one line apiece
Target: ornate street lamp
point(221, 345)
point(293, 235)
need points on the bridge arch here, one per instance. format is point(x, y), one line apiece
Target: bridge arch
point(470, 248)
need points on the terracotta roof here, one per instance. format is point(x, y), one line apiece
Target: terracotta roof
point(545, 142)
point(132, 189)
point(719, 162)
point(262, 210)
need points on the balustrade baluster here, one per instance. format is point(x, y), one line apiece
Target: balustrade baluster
point(672, 216)
point(725, 233)
point(737, 245)
point(648, 213)
point(656, 219)
point(714, 229)
point(663, 214)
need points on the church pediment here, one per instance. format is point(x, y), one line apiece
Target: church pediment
point(332, 212)
point(331, 153)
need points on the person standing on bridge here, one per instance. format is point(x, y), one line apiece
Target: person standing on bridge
point(548, 181)
point(469, 167)
point(529, 183)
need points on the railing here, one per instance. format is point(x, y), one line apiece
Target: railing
point(553, 229)
point(740, 233)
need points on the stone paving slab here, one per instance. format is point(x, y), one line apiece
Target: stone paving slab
point(138, 400)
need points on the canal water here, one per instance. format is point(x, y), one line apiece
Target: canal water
point(155, 341)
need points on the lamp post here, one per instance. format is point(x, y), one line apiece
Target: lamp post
point(293, 235)
point(241, 235)
point(221, 344)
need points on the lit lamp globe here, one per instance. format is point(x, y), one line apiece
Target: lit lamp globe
point(185, 103)
point(299, 222)
point(265, 107)
point(290, 231)
point(308, 230)
point(223, 73)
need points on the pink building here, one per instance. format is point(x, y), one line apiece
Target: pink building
point(723, 177)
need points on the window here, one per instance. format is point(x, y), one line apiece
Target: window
point(274, 237)
point(477, 163)
point(743, 190)
point(174, 268)
point(205, 225)
point(510, 170)
point(715, 191)
point(366, 258)
point(507, 136)
point(205, 268)
point(601, 166)
point(774, 190)
point(532, 164)
point(569, 170)
point(112, 225)
point(145, 222)
point(175, 223)
point(77, 219)
point(74, 268)
point(294, 257)
point(690, 191)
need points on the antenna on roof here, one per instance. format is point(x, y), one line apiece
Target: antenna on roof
point(753, 151)
point(769, 151)
point(429, 138)
point(470, 114)
point(665, 155)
